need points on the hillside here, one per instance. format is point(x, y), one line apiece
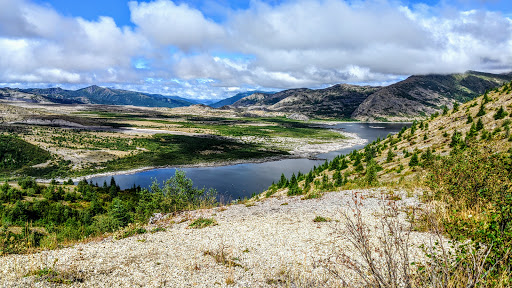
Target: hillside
point(413, 98)
point(483, 123)
point(420, 96)
point(233, 99)
point(93, 95)
point(337, 101)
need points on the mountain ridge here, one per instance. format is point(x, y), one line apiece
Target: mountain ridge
point(94, 95)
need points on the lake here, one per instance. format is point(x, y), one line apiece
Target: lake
point(242, 180)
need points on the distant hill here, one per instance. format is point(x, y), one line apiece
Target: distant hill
point(414, 98)
point(238, 96)
point(422, 95)
point(337, 101)
point(94, 95)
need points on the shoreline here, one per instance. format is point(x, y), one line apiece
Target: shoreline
point(352, 140)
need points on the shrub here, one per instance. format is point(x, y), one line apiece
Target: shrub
point(476, 182)
point(202, 223)
point(321, 219)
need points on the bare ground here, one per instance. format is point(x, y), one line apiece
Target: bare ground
point(269, 243)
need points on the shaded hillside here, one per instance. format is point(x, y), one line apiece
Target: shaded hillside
point(337, 101)
point(420, 96)
point(93, 95)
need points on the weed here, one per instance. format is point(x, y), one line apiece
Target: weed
point(321, 219)
point(202, 223)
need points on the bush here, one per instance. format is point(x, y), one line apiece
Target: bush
point(202, 223)
point(477, 182)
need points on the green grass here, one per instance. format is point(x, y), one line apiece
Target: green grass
point(269, 127)
point(321, 219)
point(165, 149)
point(202, 223)
point(16, 153)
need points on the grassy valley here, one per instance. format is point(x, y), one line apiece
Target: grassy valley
point(87, 139)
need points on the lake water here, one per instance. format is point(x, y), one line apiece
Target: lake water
point(242, 180)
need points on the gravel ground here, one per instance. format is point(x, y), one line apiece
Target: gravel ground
point(268, 243)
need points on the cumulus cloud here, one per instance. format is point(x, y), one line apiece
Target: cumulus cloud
point(39, 45)
point(305, 43)
point(169, 24)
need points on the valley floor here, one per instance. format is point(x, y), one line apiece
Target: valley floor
point(91, 139)
point(268, 243)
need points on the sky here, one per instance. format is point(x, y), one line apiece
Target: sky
point(204, 49)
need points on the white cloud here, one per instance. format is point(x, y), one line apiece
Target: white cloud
point(174, 48)
point(169, 24)
point(48, 47)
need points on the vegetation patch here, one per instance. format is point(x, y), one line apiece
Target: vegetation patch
point(201, 222)
point(35, 216)
point(16, 153)
point(321, 219)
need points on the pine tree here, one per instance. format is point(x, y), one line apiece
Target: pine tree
point(414, 160)
point(427, 157)
point(500, 114)
point(455, 106)
point(456, 139)
point(445, 110)
point(470, 119)
point(344, 164)
point(472, 131)
point(119, 212)
point(338, 179)
point(283, 182)
point(371, 173)
point(479, 125)
point(390, 156)
point(481, 111)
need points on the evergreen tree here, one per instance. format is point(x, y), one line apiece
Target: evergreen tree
point(283, 182)
point(445, 110)
point(371, 173)
point(456, 139)
point(479, 125)
point(427, 157)
point(455, 106)
point(500, 114)
point(470, 119)
point(472, 131)
point(343, 165)
point(414, 160)
point(338, 179)
point(481, 111)
point(119, 212)
point(486, 98)
point(390, 156)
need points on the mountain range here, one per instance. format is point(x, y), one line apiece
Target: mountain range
point(413, 98)
point(94, 95)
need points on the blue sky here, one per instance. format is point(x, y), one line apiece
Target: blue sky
point(214, 49)
point(118, 9)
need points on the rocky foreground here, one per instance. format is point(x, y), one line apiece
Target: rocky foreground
point(270, 243)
